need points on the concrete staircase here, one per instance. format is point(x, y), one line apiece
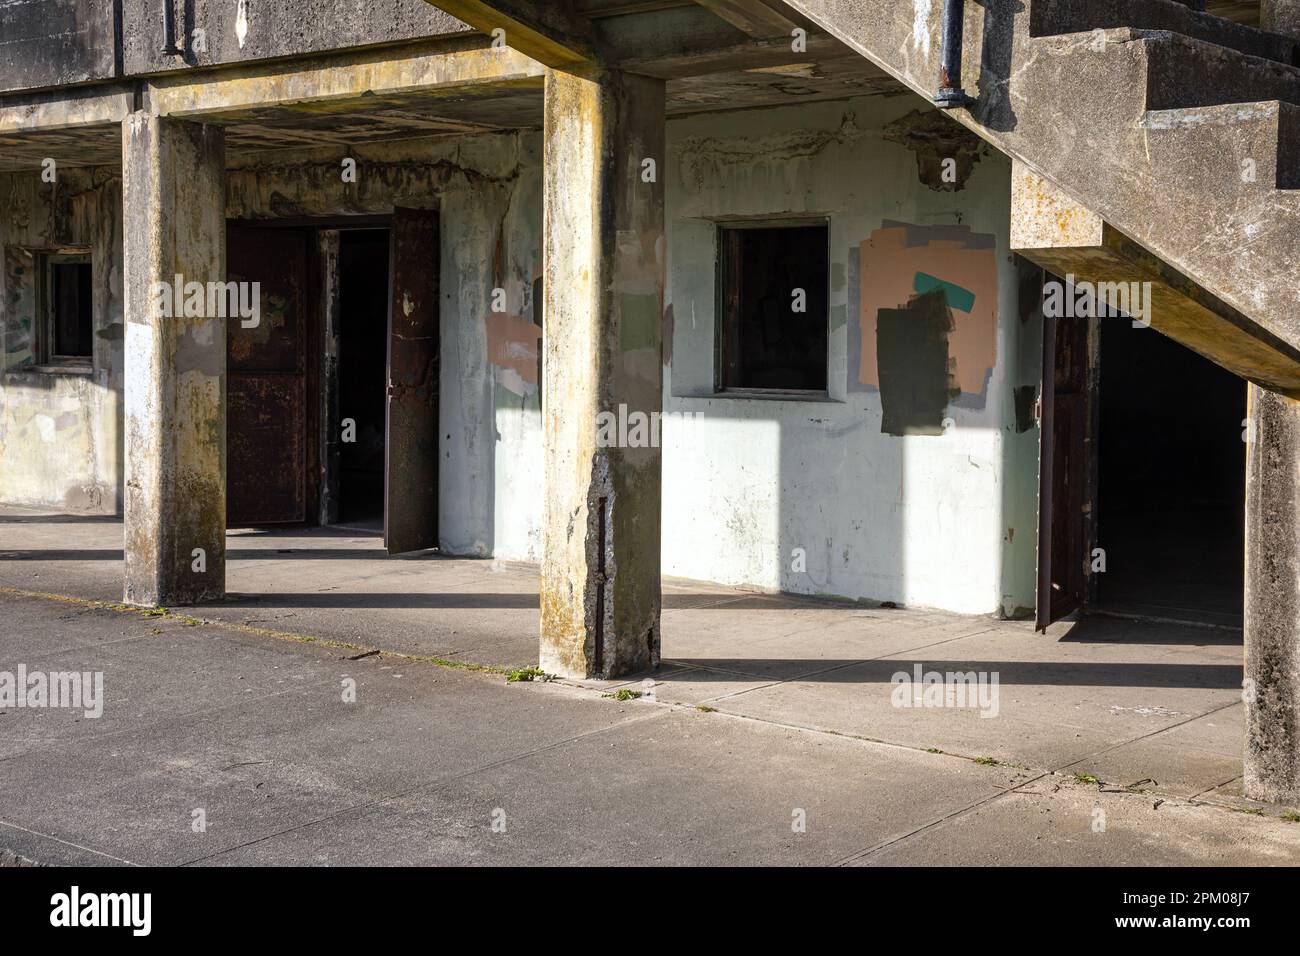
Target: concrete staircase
point(1178, 131)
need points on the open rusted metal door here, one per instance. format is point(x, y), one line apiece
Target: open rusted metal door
point(411, 469)
point(1062, 470)
point(266, 380)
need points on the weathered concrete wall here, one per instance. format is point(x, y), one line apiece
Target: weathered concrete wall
point(941, 516)
point(944, 519)
point(54, 42)
point(209, 32)
point(60, 430)
point(47, 43)
point(488, 189)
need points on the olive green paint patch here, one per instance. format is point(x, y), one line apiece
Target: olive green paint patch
point(916, 375)
point(638, 322)
point(838, 276)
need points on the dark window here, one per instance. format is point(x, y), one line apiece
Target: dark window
point(772, 291)
point(69, 316)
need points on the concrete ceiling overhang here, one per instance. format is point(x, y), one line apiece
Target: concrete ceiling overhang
point(708, 62)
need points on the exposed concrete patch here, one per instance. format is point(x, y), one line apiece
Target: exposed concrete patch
point(946, 152)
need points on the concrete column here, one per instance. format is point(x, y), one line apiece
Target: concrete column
point(1272, 686)
point(173, 196)
point(603, 250)
point(1280, 16)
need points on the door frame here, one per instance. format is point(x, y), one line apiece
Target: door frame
point(311, 367)
point(1083, 469)
point(321, 315)
point(328, 351)
point(322, 419)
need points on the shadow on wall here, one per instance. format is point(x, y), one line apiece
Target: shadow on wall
point(920, 485)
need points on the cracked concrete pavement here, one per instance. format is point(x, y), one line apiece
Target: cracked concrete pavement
point(1115, 742)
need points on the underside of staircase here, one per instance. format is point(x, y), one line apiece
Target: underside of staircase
point(1176, 130)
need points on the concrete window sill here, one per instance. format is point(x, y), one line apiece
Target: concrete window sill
point(33, 371)
point(773, 395)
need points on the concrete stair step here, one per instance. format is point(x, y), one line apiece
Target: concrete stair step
point(1235, 147)
point(1059, 17)
point(1186, 72)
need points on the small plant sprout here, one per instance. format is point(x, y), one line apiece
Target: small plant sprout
point(525, 674)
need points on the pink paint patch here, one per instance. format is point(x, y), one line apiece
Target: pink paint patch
point(513, 344)
point(888, 265)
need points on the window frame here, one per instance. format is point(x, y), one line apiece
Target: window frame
point(721, 274)
point(46, 334)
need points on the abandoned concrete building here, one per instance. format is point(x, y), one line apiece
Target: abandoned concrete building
point(990, 307)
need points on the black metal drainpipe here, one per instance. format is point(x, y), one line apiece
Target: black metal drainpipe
point(950, 92)
point(170, 46)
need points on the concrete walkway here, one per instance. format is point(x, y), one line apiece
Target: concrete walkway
point(1114, 742)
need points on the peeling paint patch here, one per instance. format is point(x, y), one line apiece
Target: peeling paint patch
point(921, 26)
point(241, 23)
point(513, 344)
point(705, 159)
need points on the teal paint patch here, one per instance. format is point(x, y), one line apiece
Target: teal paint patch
point(638, 322)
point(958, 298)
point(839, 316)
point(837, 276)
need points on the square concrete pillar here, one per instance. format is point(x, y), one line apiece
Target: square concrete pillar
point(603, 250)
point(173, 197)
point(1272, 684)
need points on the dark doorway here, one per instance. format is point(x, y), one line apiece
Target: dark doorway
point(269, 382)
point(362, 374)
point(1171, 480)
